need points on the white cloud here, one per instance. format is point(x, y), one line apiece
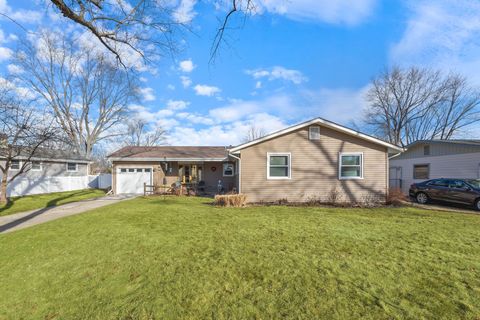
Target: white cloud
point(170, 87)
point(177, 104)
point(205, 90)
point(195, 118)
point(168, 124)
point(441, 34)
point(187, 65)
point(224, 134)
point(186, 81)
point(278, 72)
point(147, 94)
point(280, 104)
point(5, 53)
point(14, 69)
point(20, 15)
point(330, 11)
point(185, 11)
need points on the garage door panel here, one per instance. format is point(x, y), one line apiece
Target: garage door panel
point(132, 182)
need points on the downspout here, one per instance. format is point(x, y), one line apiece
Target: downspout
point(239, 171)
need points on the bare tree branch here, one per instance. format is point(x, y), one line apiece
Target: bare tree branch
point(23, 131)
point(87, 95)
point(420, 104)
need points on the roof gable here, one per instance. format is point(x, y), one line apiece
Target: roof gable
point(326, 123)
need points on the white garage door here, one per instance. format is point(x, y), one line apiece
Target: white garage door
point(131, 180)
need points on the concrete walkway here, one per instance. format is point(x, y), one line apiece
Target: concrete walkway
point(447, 207)
point(30, 218)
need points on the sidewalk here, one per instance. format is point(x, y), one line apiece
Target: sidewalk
point(26, 219)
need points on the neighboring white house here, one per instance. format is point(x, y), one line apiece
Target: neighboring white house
point(431, 159)
point(50, 171)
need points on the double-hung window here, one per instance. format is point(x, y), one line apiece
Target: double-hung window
point(15, 165)
point(351, 166)
point(278, 165)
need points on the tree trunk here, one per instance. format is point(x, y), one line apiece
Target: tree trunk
point(3, 190)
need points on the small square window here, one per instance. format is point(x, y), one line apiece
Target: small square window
point(131, 170)
point(71, 166)
point(123, 170)
point(36, 166)
point(15, 165)
point(314, 133)
point(139, 170)
point(147, 169)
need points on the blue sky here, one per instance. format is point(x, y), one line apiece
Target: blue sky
point(292, 61)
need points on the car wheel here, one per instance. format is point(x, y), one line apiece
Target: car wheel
point(421, 198)
point(477, 204)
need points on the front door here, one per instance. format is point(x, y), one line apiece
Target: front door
point(190, 173)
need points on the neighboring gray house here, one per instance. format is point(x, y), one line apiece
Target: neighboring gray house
point(430, 159)
point(49, 171)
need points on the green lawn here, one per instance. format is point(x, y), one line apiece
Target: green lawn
point(177, 258)
point(19, 204)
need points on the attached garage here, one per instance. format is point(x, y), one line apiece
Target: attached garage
point(132, 180)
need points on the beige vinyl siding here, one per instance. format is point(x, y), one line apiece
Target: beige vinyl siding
point(314, 168)
point(465, 165)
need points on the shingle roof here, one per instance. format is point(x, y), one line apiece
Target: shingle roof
point(169, 152)
point(51, 154)
point(475, 142)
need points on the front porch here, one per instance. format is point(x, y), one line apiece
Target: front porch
point(195, 177)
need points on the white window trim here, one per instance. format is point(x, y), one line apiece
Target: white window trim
point(19, 165)
point(76, 166)
point(340, 154)
point(310, 133)
point(289, 155)
point(41, 166)
point(223, 169)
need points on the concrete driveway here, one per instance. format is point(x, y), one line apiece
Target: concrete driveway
point(30, 218)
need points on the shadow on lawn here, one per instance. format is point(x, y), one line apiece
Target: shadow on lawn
point(50, 204)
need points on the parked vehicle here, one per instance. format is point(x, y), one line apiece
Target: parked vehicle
point(464, 191)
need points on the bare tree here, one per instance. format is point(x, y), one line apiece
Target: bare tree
point(137, 25)
point(138, 134)
point(416, 103)
point(254, 133)
point(23, 132)
point(88, 96)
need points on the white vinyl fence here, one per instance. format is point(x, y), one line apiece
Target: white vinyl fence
point(24, 186)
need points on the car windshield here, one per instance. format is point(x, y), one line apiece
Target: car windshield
point(474, 183)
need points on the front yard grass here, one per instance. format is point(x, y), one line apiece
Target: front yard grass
point(38, 201)
point(155, 258)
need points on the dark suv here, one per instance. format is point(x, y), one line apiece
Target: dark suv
point(465, 191)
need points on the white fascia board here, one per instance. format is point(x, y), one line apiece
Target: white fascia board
point(166, 159)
